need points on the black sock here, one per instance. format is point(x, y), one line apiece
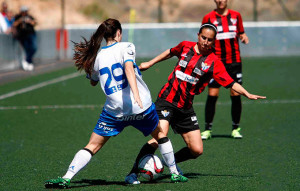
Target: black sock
point(145, 150)
point(210, 108)
point(183, 155)
point(236, 111)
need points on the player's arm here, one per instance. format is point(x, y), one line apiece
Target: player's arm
point(244, 38)
point(130, 74)
point(93, 77)
point(93, 83)
point(222, 77)
point(242, 35)
point(163, 56)
point(239, 89)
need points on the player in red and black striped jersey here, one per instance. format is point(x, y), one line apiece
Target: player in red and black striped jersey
point(230, 30)
point(196, 66)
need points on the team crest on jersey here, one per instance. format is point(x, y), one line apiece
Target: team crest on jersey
point(165, 113)
point(194, 119)
point(215, 22)
point(204, 66)
point(130, 52)
point(233, 21)
point(198, 71)
point(182, 63)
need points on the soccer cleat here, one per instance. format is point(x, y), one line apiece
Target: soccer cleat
point(236, 133)
point(132, 179)
point(206, 135)
point(178, 178)
point(58, 183)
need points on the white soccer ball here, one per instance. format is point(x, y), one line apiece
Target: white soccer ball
point(150, 167)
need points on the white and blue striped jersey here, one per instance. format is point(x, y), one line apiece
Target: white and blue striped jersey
point(109, 69)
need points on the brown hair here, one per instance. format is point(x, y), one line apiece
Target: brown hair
point(86, 51)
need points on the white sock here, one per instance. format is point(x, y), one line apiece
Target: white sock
point(167, 153)
point(81, 159)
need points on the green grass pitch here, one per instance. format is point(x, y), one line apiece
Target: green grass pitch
point(39, 134)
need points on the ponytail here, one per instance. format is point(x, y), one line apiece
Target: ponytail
point(86, 51)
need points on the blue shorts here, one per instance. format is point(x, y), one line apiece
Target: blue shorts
point(109, 125)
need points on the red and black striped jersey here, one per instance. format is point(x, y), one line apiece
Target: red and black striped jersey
point(192, 74)
point(229, 27)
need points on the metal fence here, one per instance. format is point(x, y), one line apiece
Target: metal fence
point(266, 39)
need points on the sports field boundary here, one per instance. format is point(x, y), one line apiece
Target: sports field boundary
point(39, 85)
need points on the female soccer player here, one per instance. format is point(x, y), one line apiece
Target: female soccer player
point(128, 99)
point(230, 29)
point(196, 66)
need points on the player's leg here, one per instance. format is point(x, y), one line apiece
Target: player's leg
point(236, 103)
point(106, 127)
point(149, 147)
point(236, 111)
point(194, 146)
point(166, 150)
point(210, 109)
point(80, 160)
point(161, 141)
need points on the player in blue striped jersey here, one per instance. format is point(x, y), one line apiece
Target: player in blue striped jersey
point(128, 99)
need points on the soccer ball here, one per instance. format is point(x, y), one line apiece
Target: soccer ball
point(150, 167)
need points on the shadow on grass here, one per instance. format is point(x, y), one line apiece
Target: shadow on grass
point(222, 136)
point(164, 179)
point(94, 182)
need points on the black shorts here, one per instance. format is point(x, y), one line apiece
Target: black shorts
point(181, 120)
point(235, 72)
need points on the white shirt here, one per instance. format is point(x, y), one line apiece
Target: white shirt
point(109, 69)
point(3, 24)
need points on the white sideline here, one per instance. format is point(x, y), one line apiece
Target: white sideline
point(40, 85)
point(93, 106)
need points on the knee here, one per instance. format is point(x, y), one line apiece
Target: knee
point(196, 152)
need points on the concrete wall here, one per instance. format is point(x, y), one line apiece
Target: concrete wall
point(266, 39)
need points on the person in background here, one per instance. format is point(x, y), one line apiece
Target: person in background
point(4, 8)
point(3, 25)
point(230, 30)
point(25, 33)
point(9, 18)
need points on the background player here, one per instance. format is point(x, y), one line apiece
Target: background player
point(128, 99)
point(230, 29)
point(196, 65)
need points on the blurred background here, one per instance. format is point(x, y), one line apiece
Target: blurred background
point(152, 25)
point(49, 13)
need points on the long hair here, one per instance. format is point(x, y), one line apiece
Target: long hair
point(86, 51)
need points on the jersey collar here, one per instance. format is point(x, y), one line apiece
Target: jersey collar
point(109, 45)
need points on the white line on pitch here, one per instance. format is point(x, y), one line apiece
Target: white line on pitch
point(93, 106)
point(40, 85)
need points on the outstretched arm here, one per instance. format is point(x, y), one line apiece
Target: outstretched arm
point(239, 89)
point(130, 74)
point(163, 56)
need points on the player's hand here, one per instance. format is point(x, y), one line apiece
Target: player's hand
point(144, 66)
point(244, 38)
point(138, 101)
point(254, 97)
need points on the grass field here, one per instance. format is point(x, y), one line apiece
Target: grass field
point(42, 129)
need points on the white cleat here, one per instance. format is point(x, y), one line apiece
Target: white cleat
point(132, 179)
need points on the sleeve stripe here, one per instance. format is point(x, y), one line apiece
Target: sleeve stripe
point(129, 60)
